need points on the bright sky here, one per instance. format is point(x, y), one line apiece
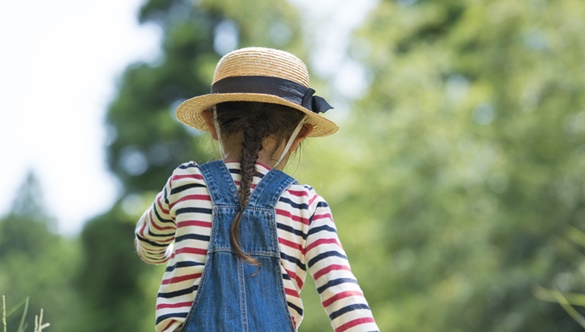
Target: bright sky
point(58, 66)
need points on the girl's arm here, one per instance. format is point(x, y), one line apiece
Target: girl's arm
point(155, 231)
point(341, 296)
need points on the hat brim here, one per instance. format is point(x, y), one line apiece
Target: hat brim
point(190, 111)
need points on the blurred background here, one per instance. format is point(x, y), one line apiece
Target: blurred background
point(456, 180)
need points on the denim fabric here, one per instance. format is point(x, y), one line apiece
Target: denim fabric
point(229, 298)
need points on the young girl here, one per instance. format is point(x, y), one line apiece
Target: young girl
point(238, 234)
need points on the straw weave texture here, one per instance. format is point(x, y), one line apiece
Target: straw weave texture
point(255, 61)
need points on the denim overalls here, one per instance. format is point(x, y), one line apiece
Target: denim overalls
point(229, 298)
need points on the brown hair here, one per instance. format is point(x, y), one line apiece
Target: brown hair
point(256, 121)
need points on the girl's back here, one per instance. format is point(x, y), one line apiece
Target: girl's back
point(306, 237)
point(238, 234)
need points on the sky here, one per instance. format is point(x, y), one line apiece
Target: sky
point(58, 68)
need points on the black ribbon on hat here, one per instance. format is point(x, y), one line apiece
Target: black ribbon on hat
point(280, 87)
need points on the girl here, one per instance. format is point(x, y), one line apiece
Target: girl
point(238, 234)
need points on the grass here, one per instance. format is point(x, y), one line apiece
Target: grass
point(39, 325)
point(569, 301)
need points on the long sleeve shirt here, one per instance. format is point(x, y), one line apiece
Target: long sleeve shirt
point(176, 230)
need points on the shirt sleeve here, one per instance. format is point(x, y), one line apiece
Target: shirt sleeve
point(341, 296)
point(155, 230)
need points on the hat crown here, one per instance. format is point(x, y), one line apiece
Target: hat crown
point(259, 61)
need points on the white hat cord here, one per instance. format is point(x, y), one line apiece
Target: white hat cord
point(292, 138)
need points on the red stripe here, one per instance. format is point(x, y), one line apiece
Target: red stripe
point(199, 197)
point(175, 280)
point(313, 199)
point(187, 176)
point(153, 223)
point(160, 207)
point(353, 323)
point(289, 215)
point(292, 292)
point(319, 242)
point(142, 229)
point(198, 223)
point(290, 244)
point(340, 296)
point(332, 267)
point(173, 305)
point(171, 323)
point(298, 280)
point(298, 193)
point(195, 251)
point(322, 216)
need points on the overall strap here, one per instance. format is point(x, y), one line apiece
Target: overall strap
point(268, 191)
point(220, 183)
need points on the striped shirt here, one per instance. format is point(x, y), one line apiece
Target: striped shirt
point(176, 230)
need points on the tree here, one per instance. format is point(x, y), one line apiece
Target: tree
point(146, 143)
point(467, 156)
point(36, 262)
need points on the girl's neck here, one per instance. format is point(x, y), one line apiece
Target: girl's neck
point(232, 151)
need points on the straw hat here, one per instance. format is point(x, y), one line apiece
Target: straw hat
point(261, 75)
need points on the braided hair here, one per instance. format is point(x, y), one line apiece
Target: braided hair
point(256, 122)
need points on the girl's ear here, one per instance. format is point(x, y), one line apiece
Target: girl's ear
point(304, 133)
point(208, 117)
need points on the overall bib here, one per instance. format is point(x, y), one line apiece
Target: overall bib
point(229, 298)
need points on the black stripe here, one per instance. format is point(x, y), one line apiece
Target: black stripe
point(297, 309)
point(166, 196)
point(322, 204)
point(154, 254)
point(161, 219)
point(154, 244)
point(179, 292)
point(193, 210)
point(179, 265)
point(347, 309)
point(176, 314)
point(186, 187)
point(292, 260)
point(301, 206)
point(324, 255)
point(160, 235)
point(291, 230)
point(192, 237)
point(314, 230)
point(335, 282)
point(188, 165)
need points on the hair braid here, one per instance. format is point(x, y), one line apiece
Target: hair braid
point(256, 121)
point(253, 135)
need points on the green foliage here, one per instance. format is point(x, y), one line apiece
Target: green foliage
point(567, 286)
point(35, 261)
point(110, 276)
point(147, 143)
point(456, 183)
point(467, 156)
